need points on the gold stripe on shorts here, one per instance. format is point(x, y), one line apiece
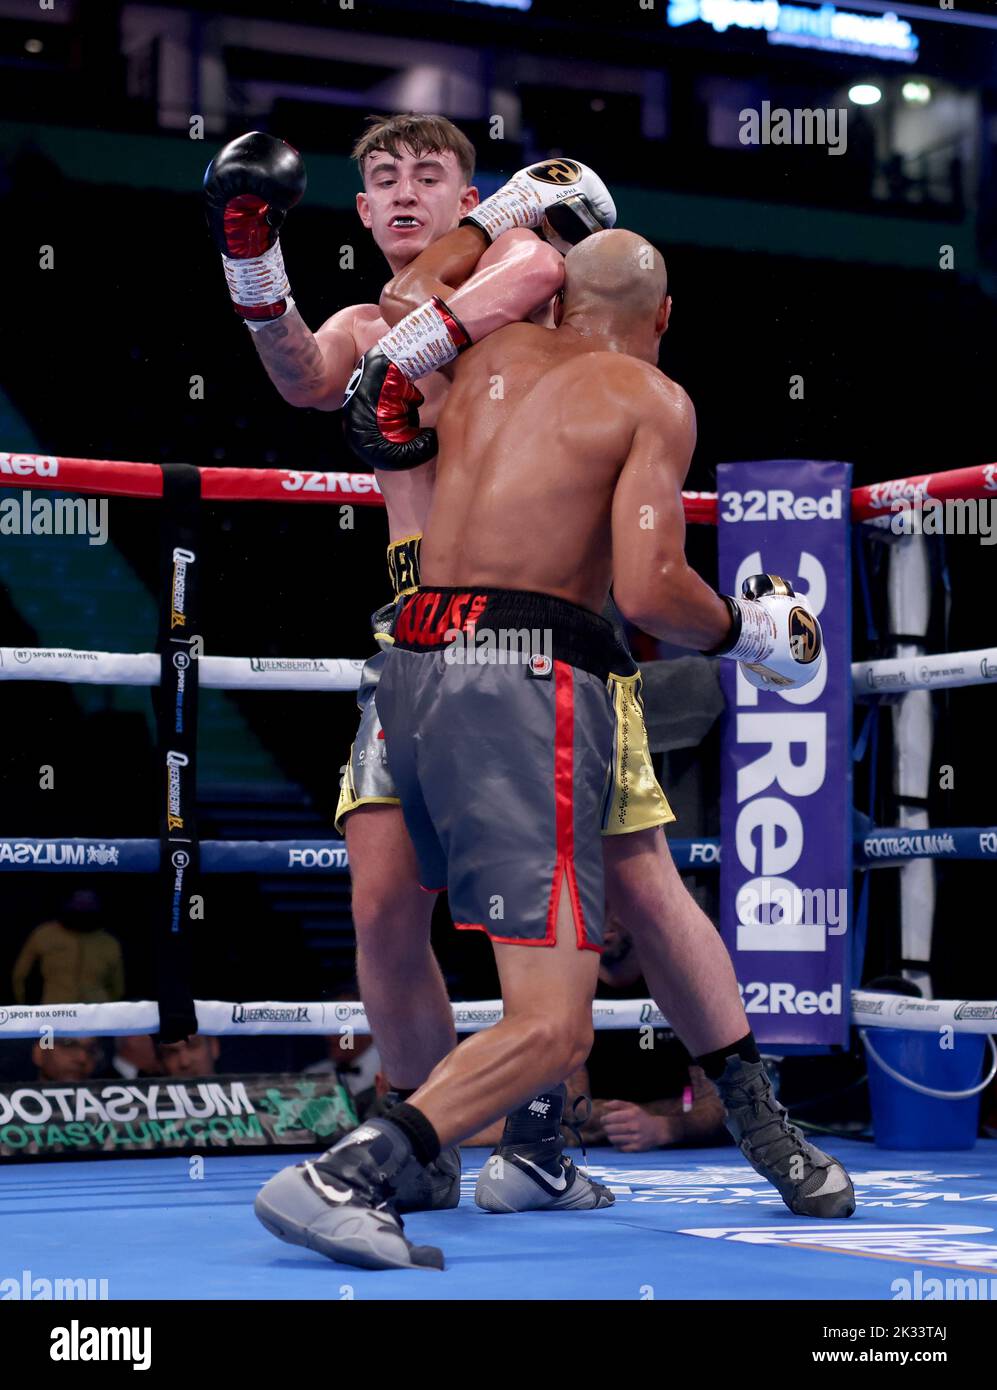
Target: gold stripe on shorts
point(634, 800)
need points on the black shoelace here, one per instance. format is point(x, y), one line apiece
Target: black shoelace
point(574, 1123)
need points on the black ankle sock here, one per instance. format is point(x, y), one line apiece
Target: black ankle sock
point(417, 1130)
point(713, 1063)
point(401, 1092)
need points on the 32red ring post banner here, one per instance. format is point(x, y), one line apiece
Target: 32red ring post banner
point(786, 796)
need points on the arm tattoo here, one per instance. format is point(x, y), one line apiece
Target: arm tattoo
point(291, 354)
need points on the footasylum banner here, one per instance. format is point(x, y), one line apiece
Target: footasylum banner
point(170, 1115)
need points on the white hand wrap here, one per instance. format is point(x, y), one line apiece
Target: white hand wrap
point(259, 280)
point(517, 204)
point(419, 343)
point(758, 634)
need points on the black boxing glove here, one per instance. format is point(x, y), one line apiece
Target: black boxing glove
point(381, 408)
point(250, 186)
point(566, 224)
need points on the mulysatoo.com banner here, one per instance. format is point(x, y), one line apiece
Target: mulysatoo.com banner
point(786, 861)
point(40, 1120)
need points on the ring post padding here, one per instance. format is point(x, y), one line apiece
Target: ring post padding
point(175, 705)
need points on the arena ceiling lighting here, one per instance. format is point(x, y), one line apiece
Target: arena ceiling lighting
point(864, 94)
point(805, 26)
point(503, 4)
point(918, 93)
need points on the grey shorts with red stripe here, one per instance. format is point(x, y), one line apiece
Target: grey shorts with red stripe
point(499, 727)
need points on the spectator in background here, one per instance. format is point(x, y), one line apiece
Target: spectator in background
point(79, 961)
point(68, 1059)
point(194, 1057)
point(643, 1097)
point(695, 1117)
point(134, 1056)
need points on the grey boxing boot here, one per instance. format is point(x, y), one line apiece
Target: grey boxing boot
point(433, 1188)
point(529, 1171)
point(810, 1182)
point(340, 1204)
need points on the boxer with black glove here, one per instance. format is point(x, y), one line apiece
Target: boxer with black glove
point(562, 200)
point(250, 186)
point(381, 411)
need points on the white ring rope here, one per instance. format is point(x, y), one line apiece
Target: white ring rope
point(942, 672)
point(930, 1090)
point(946, 671)
point(220, 1018)
point(214, 672)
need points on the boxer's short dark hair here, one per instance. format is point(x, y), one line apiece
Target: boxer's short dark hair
point(420, 134)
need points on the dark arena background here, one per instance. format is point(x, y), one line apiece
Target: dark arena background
point(827, 305)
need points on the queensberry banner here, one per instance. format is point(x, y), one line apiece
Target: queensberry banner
point(786, 800)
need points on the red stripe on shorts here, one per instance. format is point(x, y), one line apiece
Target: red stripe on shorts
point(564, 802)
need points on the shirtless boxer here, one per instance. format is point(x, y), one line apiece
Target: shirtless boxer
point(502, 765)
point(417, 173)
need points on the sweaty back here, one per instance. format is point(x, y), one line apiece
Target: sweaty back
point(533, 435)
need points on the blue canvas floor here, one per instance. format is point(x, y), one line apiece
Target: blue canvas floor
point(686, 1224)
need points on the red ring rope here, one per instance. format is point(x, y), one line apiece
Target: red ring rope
point(121, 479)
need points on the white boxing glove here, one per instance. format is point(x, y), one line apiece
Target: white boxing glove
point(775, 635)
point(561, 198)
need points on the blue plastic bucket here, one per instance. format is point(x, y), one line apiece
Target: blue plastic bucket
point(903, 1118)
